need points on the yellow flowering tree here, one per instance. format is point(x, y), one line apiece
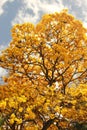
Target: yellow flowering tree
point(47, 83)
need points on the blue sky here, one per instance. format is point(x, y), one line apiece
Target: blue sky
point(20, 11)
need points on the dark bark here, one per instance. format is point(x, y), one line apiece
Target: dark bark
point(47, 124)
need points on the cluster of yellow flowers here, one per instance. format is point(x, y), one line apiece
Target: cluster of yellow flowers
point(44, 61)
point(13, 119)
point(29, 114)
point(2, 104)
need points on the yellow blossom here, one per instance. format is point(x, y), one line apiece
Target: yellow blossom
point(18, 121)
point(3, 104)
point(28, 109)
point(11, 121)
point(12, 116)
point(20, 109)
point(21, 99)
point(26, 116)
point(12, 104)
point(30, 113)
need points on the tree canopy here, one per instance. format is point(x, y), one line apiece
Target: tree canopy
point(47, 83)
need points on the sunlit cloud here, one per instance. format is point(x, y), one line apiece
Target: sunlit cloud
point(2, 47)
point(85, 24)
point(82, 4)
point(31, 10)
point(2, 3)
point(2, 72)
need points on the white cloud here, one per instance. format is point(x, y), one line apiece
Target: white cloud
point(36, 6)
point(2, 3)
point(81, 3)
point(2, 72)
point(85, 24)
point(47, 6)
point(2, 47)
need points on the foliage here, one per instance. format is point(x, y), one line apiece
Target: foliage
point(47, 83)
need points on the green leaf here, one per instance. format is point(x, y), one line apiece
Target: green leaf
point(1, 121)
